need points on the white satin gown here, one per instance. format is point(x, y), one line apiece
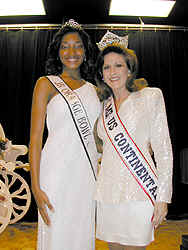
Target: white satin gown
point(67, 178)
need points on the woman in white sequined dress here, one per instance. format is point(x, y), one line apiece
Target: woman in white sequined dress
point(126, 213)
point(63, 180)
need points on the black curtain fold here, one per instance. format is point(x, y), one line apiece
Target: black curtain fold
point(162, 59)
point(22, 57)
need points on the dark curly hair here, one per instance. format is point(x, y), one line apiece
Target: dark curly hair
point(104, 91)
point(54, 65)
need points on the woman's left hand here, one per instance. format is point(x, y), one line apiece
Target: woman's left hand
point(160, 212)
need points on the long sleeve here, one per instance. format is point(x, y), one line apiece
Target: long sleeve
point(161, 145)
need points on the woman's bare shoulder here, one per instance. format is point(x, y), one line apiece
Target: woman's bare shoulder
point(43, 82)
point(44, 89)
point(45, 86)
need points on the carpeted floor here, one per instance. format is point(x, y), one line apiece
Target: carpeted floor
point(22, 236)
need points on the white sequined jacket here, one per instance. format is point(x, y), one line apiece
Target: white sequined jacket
point(144, 116)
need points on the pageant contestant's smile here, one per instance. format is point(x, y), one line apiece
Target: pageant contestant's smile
point(71, 51)
point(115, 71)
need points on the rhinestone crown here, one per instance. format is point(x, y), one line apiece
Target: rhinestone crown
point(73, 24)
point(112, 39)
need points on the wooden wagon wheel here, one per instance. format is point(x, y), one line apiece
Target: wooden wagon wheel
point(5, 207)
point(19, 193)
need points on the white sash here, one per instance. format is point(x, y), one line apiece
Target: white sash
point(80, 119)
point(128, 151)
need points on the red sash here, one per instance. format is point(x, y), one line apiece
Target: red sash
point(128, 151)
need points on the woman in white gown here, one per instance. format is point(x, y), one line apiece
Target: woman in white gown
point(132, 192)
point(63, 173)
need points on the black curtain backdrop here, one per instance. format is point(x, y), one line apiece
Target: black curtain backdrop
point(162, 61)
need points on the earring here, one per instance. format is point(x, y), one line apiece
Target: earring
point(101, 75)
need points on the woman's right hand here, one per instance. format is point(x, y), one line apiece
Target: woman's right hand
point(42, 201)
point(43, 91)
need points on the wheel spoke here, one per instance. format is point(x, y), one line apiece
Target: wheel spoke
point(5, 178)
point(18, 207)
point(21, 197)
point(18, 191)
point(14, 213)
point(12, 181)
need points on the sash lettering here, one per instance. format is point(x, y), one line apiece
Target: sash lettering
point(80, 119)
point(129, 153)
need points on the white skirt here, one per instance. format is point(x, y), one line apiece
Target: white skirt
point(128, 223)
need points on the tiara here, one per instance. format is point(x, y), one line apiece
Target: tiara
point(73, 24)
point(112, 39)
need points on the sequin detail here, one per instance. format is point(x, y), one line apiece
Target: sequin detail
point(144, 116)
